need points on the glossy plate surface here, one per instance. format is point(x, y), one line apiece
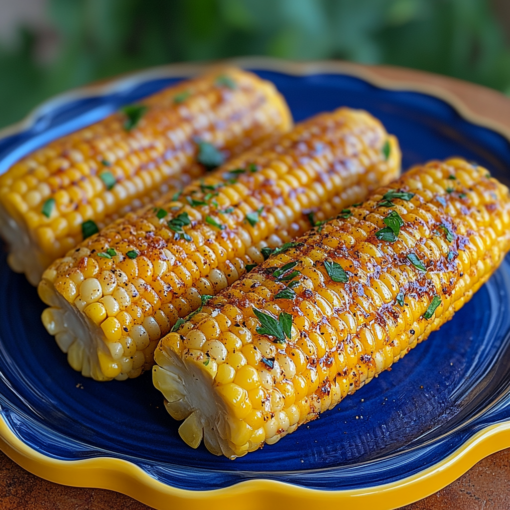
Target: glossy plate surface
point(451, 389)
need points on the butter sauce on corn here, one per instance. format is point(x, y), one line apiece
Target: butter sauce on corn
point(52, 199)
point(250, 368)
point(114, 296)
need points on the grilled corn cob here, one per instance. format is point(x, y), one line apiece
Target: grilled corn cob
point(53, 198)
point(315, 323)
point(113, 297)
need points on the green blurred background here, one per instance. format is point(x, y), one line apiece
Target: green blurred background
point(48, 46)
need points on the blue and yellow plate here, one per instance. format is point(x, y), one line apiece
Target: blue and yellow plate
point(405, 435)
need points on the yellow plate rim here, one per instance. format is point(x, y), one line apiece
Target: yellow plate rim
point(127, 478)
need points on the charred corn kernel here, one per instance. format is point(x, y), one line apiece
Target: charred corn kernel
point(204, 239)
point(104, 171)
point(318, 361)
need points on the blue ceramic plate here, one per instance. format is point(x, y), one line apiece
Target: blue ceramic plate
point(432, 403)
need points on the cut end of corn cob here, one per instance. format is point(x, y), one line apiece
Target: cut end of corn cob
point(141, 275)
point(315, 323)
point(54, 198)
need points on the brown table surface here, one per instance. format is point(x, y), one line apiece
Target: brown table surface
point(485, 487)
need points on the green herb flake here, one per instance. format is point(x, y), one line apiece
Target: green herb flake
point(336, 271)
point(403, 195)
point(249, 267)
point(358, 204)
point(284, 269)
point(267, 252)
point(253, 168)
point(386, 234)
point(232, 181)
point(394, 221)
point(176, 224)
point(452, 177)
point(108, 254)
point(446, 230)
point(195, 203)
point(400, 298)
point(228, 210)
point(209, 196)
point(386, 150)
point(182, 236)
point(488, 175)
point(236, 171)
point(253, 217)
point(214, 223)
point(462, 195)
point(345, 214)
point(104, 255)
point(449, 190)
point(386, 203)
point(177, 325)
point(285, 294)
point(48, 207)
point(176, 196)
point(181, 96)
point(209, 155)
point(132, 254)
point(434, 304)
point(161, 213)
point(226, 81)
point(206, 362)
point(105, 162)
point(288, 277)
point(279, 329)
point(134, 114)
point(108, 180)
point(89, 228)
point(416, 262)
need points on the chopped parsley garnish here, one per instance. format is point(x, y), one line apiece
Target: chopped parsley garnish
point(314, 223)
point(203, 301)
point(393, 223)
point(209, 155)
point(182, 235)
point(161, 213)
point(446, 230)
point(105, 162)
point(441, 200)
point(449, 190)
point(252, 168)
point(236, 171)
point(452, 177)
point(288, 277)
point(108, 254)
point(177, 325)
point(284, 269)
point(253, 217)
point(176, 196)
point(206, 362)
point(108, 180)
point(336, 271)
point(400, 298)
point(267, 252)
point(214, 223)
point(228, 210)
point(132, 254)
point(210, 187)
point(462, 195)
point(232, 181)
point(403, 195)
point(285, 294)
point(134, 114)
point(386, 203)
point(89, 228)
point(48, 207)
point(226, 81)
point(208, 196)
point(488, 175)
point(346, 213)
point(436, 301)
point(249, 267)
point(280, 328)
point(358, 204)
point(195, 203)
point(416, 262)
point(181, 96)
point(386, 150)
point(176, 224)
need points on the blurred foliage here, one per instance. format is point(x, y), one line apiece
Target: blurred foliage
point(102, 38)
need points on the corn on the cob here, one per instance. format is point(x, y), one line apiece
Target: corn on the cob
point(118, 293)
point(256, 364)
point(98, 174)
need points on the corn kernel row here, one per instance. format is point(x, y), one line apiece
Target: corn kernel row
point(367, 290)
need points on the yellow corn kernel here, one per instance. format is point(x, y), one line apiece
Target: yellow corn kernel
point(112, 329)
point(96, 312)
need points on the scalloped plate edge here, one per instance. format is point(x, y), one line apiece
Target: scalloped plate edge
point(126, 478)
